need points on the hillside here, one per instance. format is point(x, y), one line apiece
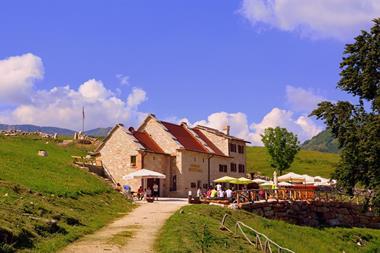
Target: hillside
point(199, 225)
point(323, 142)
point(97, 132)
point(313, 163)
point(45, 202)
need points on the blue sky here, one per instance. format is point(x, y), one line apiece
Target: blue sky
point(181, 59)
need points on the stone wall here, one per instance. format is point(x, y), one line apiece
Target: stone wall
point(316, 213)
point(115, 156)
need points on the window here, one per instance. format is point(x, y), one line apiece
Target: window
point(222, 168)
point(241, 149)
point(232, 147)
point(193, 185)
point(241, 168)
point(233, 167)
point(133, 160)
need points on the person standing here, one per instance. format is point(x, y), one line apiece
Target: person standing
point(155, 191)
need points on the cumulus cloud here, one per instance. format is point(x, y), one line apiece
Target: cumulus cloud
point(302, 100)
point(62, 105)
point(123, 79)
point(136, 97)
point(302, 126)
point(237, 121)
point(339, 19)
point(17, 77)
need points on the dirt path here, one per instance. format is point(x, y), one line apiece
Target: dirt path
point(135, 232)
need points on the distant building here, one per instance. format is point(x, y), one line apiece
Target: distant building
point(189, 157)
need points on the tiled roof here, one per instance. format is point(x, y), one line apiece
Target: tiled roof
point(217, 132)
point(185, 138)
point(148, 143)
point(208, 142)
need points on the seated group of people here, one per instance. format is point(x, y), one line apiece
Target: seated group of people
point(141, 192)
point(219, 193)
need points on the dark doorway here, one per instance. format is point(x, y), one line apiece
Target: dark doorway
point(150, 182)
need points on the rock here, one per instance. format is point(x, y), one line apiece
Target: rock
point(42, 153)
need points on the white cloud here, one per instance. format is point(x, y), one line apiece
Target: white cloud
point(302, 100)
point(302, 126)
point(339, 19)
point(93, 90)
point(136, 97)
point(237, 121)
point(62, 105)
point(123, 79)
point(17, 77)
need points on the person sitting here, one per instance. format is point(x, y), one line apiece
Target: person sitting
point(214, 193)
point(118, 187)
point(221, 194)
point(148, 193)
point(140, 193)
point(199, 193)
point(229, 195)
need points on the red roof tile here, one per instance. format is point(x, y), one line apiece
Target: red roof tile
point(208, 142)
point(186, 139)
point(147, 142)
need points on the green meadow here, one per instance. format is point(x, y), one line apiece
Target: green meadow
point(197, 227)
point(45, 202)
point(313, 163)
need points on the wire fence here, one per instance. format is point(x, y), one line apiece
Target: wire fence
point(258, 240)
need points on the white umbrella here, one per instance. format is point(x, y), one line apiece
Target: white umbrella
point(284, 184)
point(144, 173)
point(275, 180)
point(308, 179)
point(321, 179)
point(259, 181)
point(267, 183)
point(291, 177)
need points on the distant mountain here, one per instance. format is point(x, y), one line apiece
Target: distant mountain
point(97, 132)
point(33, 128)
point(323, 142)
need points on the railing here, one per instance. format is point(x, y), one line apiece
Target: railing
point(296, 194)
point(261, 241)
point(109, 175)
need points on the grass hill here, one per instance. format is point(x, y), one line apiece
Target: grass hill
point(323, 142)
point(97, 132)
point(313, 163)
point(185, 231)
point(45, 202)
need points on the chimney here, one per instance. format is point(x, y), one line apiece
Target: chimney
point(227, 130)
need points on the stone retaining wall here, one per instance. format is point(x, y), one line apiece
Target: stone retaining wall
point(316, 213)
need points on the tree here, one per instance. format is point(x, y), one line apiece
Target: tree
point(357, 127)
point(282, 147)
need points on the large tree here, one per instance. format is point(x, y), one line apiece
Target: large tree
point(357, 127)
point(282, 147)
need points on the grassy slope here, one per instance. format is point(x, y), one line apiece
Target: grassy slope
point(181, 233)
point(313, 163)
point(34, 190)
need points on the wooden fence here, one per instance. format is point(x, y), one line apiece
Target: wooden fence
point(296, 194)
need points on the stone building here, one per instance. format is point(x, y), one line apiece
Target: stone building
point(189, 157)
